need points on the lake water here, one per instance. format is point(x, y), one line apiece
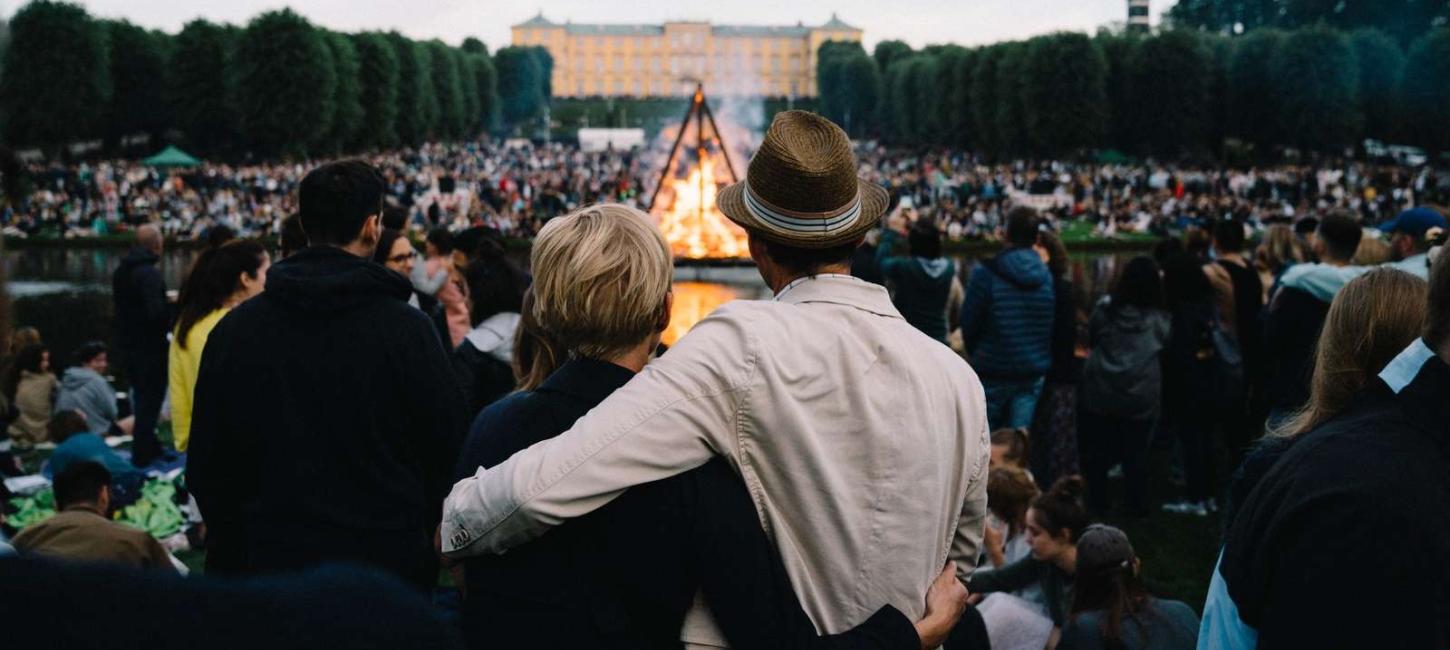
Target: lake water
point(66, 293)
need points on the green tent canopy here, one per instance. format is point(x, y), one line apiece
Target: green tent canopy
point(172, 157)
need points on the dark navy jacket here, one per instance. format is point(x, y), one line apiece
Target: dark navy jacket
point(1007, 316)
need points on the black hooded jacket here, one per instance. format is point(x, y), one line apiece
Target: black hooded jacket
point(143, 317)
point(326, 423)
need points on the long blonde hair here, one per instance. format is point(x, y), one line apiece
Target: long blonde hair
point(601, 277)
point(1370, 322)
point(1279, 249)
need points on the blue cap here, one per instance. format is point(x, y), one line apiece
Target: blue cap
point(1414, 222)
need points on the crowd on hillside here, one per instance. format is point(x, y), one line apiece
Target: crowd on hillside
point(515, 189)
point(894, 452)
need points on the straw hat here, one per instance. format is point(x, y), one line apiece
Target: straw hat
point(801, 188)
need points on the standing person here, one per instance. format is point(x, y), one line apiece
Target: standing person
point(1239, 294)
point(1054, 426)
point(84, 388)
point(220, 280)
point(1007, 323)
point(1192, 390)
point(1112, 609)
point(434, 277)
point(922, 281)
point(1296, 313)
point(665, 539)
point(397, 254)
point(326, 384)
point(143, 321)
point(825, 400)
point(1123, 385)
point(1376, 476)
point(1278, 253)
point(483, 363)
point(1408, 239)
point(30, 388)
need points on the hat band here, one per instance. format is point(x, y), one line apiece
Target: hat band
point(826, 224)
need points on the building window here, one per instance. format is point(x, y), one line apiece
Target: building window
point(619, 86)
point(1137, 11)
point(579, 88)
point(638, 87)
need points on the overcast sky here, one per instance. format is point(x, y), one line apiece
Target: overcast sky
point(919, 22)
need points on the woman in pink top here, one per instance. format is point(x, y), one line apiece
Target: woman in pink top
point(436, 277)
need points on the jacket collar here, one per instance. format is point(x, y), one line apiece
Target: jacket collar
point(588, 380)
point(1423, 402)
point(837, 289)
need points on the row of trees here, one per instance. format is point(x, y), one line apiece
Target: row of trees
point(278, 86)
point(1404, 20)
point(1175, 93)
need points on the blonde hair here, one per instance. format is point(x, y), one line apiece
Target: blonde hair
point(601, 274)
point(1372, 251)
point(1279, 249)
point(1370, 322)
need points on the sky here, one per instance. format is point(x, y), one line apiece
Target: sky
point(918, 22)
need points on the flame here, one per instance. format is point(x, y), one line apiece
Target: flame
point(692, 224)
point(693, 302)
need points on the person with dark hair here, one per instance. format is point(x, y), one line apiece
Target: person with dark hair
point(84, 388)
point(143, 321)
point(1192, 379)
point(217, 236)
point(483, 362)
point(1122, 384)
point(326, 384)
point(395, 218)
point(1296, 313)
point(220, 280)
point(1112, 610)
point(1374, 475)
point(923, 281)
point(30, 390)
point(1408, 239)
point(82, 530)
point(805, 396)
point(438, 283)
point(1054, 425)
point(1007, 323)
point(1240, 299)
point(397, 254)
point(291, 238)
point(1055, 522)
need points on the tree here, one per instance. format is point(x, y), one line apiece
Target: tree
point(1119, 52)
point(56, 75)
point(1009, 122)
point(472, 101)
point(472, 45)
point(888, 52)
point(863, 95)
point(923, 95)
point(487, 84)
point(1381, 64)
point(349, 113)
point(1317, 80)
point(138, 82)
point(546, 73)
point(1425, 90)
point(378, 80)
point(832, 87)
point(984, 99)
point(959, 100)
point(430, 115)
point(447, 86)
point(284, 84)
point(1215, 130)
point(197, 89)
point(1170, 80)
point(1252, 96)
point(1225, 16)
point(944, 91)
point(415, 92)
point(1064, 96)
point(896, 102)
point(520, 85)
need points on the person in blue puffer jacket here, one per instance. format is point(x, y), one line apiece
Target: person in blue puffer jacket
point(1007, 323)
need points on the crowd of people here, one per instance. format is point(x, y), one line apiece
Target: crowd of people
point(894, 452)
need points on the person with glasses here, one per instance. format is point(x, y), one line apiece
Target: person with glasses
point(397, 254)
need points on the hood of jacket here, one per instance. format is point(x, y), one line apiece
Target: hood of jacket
point(1127, 318)
point(139, 257)
point(77, 377)
point(1022, 267)
point(1320, 280)
point(322, 279)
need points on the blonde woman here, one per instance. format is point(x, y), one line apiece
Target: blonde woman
point(600, 300)
point(1279, 250)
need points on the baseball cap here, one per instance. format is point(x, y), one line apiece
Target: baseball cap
point(1414, 222)
point(1103, 548)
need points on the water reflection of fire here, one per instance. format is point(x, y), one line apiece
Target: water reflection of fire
point(684, 201)
point(693, 302)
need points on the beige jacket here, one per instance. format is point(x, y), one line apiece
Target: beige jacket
point(34, 397)
point(863, 443)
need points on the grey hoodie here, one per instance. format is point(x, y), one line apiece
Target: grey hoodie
point(85, 390)
point(1122, 377)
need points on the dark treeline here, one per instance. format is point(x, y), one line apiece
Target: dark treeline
point(278, 86)
point(1177, 93)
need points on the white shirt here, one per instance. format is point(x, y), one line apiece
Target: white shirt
point(863, 444)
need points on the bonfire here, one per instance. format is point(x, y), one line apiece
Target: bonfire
point(684, 199)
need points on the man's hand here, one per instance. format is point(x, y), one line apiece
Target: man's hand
point(946, 600)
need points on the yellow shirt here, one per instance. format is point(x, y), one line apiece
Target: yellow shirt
point(183, 367)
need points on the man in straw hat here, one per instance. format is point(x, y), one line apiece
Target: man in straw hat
point(863, 442)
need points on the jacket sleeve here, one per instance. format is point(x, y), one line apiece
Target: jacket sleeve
point(221, 462)
point(437, 407)
point(886, 258)
point(669, 419)
point(966, 545)
point(975, 305)
point(105, 398)
point(153, 297)
point(1017, 575)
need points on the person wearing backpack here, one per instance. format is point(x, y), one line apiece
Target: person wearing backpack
point(1196, 377)
point(1122, 384)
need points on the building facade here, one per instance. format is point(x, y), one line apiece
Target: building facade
point(667, 60)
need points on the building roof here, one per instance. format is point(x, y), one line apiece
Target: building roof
point(791, 31)
point(586, 29)
point(538, 21)
point(837, 23)
point(598, 29)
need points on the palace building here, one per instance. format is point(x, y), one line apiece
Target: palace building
point(594, 60)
